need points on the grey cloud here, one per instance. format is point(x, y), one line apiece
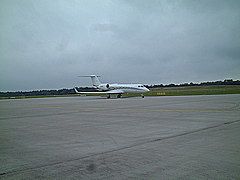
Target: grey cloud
point(105, 27)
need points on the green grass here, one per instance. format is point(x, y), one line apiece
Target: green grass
point(194, 90)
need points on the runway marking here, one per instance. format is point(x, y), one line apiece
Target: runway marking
point(2, 174)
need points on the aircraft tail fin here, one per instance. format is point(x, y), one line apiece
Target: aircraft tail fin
point(94, 78)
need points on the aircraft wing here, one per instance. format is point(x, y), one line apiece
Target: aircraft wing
point(117, 91)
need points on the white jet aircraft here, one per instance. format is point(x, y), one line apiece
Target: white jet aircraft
point(109, 89)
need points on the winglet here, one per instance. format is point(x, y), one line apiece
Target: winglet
point(76, 90)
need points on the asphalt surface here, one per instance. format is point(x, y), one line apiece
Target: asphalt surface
point(191, 137)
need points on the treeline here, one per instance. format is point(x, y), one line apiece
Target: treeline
point(214, 83)
point(71, 91)
point(44, 92)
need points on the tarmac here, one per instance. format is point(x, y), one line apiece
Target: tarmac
point(178, 137)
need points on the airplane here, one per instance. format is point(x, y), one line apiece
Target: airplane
point(109, 89)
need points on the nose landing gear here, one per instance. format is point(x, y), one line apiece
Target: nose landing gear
point(142, 95)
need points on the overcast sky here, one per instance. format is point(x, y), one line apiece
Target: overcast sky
point(46, 44)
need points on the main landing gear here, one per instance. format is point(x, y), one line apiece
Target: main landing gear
point(119, 95)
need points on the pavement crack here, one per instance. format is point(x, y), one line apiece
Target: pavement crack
point(17, 171)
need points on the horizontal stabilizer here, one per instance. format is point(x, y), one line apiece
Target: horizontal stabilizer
point(89, 76)
point(94, 78)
